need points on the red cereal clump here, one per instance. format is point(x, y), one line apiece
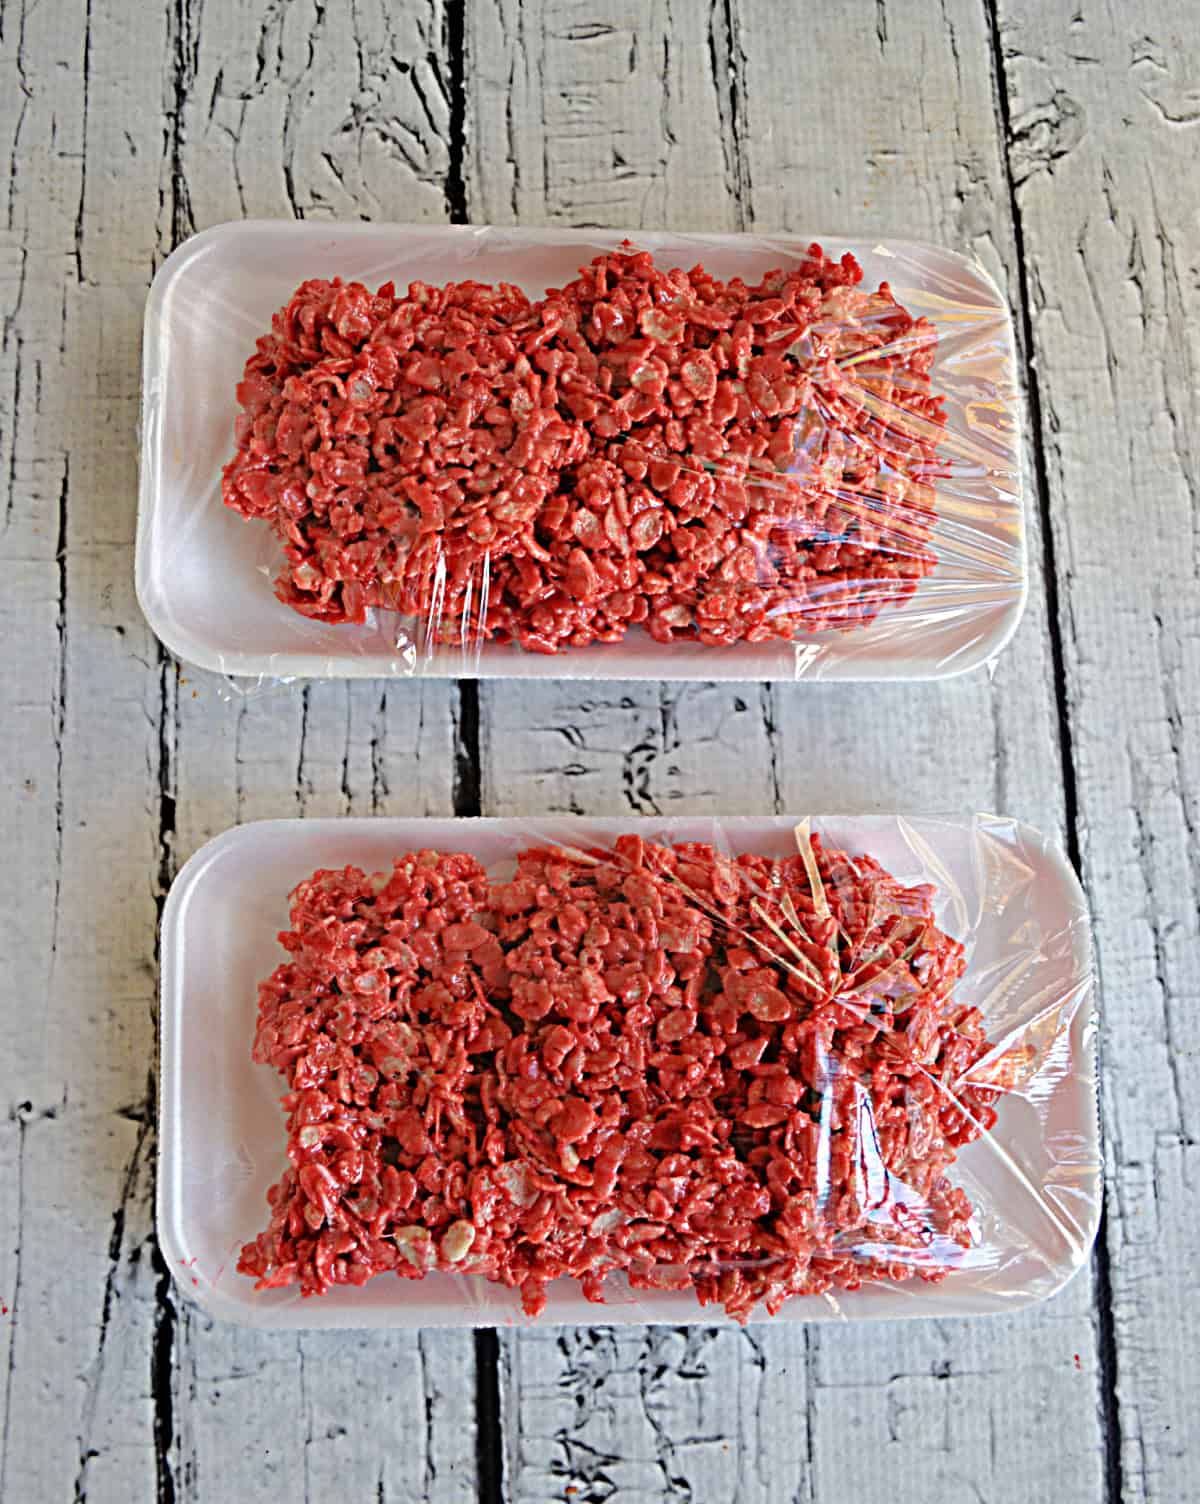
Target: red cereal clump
point(709, 460)
point(744, 1077)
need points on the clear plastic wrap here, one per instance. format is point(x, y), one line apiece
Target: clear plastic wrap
point(694, 457)
point(889, 1123)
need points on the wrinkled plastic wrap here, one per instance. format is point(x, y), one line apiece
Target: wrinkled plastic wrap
point(906, 1125)
point(374, 450)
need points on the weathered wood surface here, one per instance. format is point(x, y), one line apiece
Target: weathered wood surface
point(714, 1415)
point(1104, 119)
point(1058, 145)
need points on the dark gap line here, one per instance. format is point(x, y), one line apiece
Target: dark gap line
point(1106, 1340)
point(467, 795)
point(1024, 321)
point(736, 111)
point(722, 45)
point(163, 1343)
point(162, 1348)
point(86, 91)
point(162, 1376)
point(1106, 1357)
point(166, 774)
point(60, 723)
point(489, 1439)
point(456, 49)
point(182, 221)
point(466, 752)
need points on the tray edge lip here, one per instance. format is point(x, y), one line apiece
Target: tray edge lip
point(189, 649)
point(205, 1296)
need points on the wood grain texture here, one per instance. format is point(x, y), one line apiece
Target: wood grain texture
point(708, 1414)
point(80, 716)
point(120, 767)
point(305, 1414)
point(1104, 121)
point(336, 111)
point(1057, 142)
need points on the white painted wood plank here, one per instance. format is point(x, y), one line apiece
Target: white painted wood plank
point(553, 139)
point(98, 1375)
point(28, 798)
point(595, 748)
point(338, 110)
point(309, 1412)
point(664, 1413)
point(1105, 120)
point(365, 1418)
point(905, 145)
point(80, 760)
point(595, 1409)
point(327, 749)
point(332, 111)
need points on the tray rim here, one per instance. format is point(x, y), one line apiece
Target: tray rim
point(613, 664)
point(168, 1208)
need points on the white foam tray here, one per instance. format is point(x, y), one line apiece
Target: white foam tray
point(204, 576)
point(221, 1135)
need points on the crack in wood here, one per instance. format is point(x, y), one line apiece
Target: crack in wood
point(85, 95)
point(1156, 904)
point(379, 782)
point(14, 1311)
point(430, 1397)
point(60, 715)
point(301, 748)
point(727, 68)
point(766, 703)
point(1178, 373)
point(1172, 671)
point(115, 1253)
point(810, 1414)
point(348, 723)
point(1054, 610)
point(18, 364)
point(1102, 1277)
point(182, 43)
